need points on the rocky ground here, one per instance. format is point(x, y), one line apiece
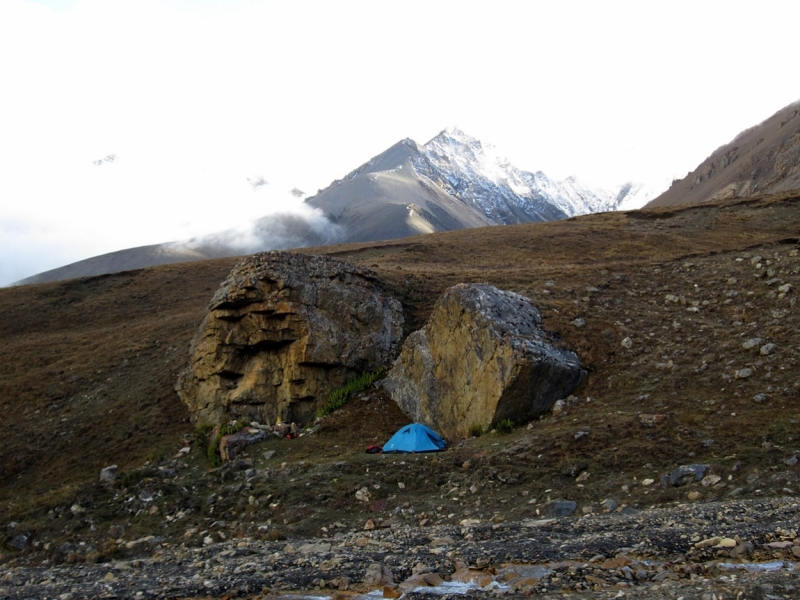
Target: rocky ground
point(685, 319)
point(716, 550)
point(306, 517)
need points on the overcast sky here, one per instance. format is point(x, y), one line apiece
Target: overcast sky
point(124, 123)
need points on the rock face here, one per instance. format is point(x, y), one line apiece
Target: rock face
point(282, 331)
point(481, 358)
point(764, 159)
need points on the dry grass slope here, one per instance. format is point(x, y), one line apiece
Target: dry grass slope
point(87, 366)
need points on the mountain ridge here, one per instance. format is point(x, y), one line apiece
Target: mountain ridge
point(454, 181)
point(763, 159)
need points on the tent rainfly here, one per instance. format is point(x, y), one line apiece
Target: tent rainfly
point(415, 438)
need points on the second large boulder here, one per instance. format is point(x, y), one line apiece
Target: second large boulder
point(482, 357)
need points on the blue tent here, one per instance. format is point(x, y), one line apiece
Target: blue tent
point(415, 438)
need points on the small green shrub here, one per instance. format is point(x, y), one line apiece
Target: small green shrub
point(212, 452)
point(131, 478)
point(201, 433)
point(505, 426)
point(475, 430)
point(338, 398)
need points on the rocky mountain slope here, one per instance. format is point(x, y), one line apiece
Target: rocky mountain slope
point(685, 319)
point(455, 182)
point(386, 198)
point(452, 182)
point(764, 159)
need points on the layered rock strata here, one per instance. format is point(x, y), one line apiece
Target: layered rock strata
point(481, 358)
point(281, 332)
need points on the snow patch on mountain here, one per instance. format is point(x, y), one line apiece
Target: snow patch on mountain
point(479, 176)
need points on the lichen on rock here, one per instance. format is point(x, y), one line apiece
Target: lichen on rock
point(482, 357)
point(282, 331)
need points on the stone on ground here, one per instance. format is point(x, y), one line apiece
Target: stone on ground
point(482, 357)
point(284, 330)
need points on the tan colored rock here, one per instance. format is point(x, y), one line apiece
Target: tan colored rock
point(392, 591)
point(282, 331)
point(481, 358)
point(652, 420)
point(378, 575)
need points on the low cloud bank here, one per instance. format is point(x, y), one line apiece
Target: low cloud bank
point(296, 226)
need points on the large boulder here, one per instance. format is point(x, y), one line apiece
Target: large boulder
point(281, 332)
point(481, 358)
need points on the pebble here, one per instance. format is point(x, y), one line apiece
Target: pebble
point(609, 505)
point(768, 349)
point(751, 343)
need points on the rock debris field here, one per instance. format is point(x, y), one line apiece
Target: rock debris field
point(692, 551)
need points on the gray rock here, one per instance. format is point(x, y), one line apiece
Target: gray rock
point(751, 343)
point(743, 373)
point(579, 322)
point(230, 446)
point(609, 505)
point(19, 542)
point(560, 508)
point(768, 349)
point(108, 474)
point(791, 461)
point(683, 475)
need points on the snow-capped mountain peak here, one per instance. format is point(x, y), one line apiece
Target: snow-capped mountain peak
point(479, 176)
